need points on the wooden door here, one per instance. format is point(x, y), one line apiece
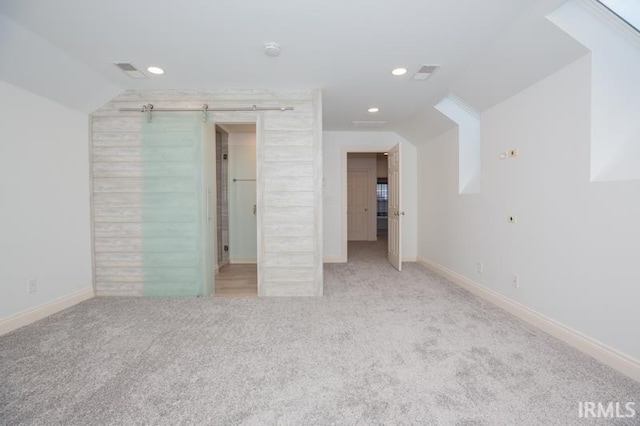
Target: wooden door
point(358, 192)
point(394, 212)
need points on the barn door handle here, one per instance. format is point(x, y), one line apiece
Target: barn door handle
point(255, 209)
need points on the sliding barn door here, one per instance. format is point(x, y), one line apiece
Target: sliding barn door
point(174, 185)
point(394, 212)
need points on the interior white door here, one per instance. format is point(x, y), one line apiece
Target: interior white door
point(394, 211)
point(358, 189)
point(209, 206)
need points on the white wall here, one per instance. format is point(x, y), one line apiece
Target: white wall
point(334, 145)
point(575, 245)
point(243, 245)
point(44, 191)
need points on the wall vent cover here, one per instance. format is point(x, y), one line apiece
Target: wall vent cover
point(425, 72)
point(130, 70)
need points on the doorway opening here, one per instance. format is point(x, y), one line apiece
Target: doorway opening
point(236, 210)
point(369, 211)
point(382, 196)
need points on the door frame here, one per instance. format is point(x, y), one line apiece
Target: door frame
point(214, 119)
point(355, 149)
point(395, 212)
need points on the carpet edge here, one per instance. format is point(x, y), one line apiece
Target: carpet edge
point(44, 310)
point(615, 359)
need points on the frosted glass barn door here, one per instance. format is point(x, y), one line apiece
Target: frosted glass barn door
point(173, 200)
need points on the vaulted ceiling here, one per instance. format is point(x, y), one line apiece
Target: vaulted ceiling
point(488, 50)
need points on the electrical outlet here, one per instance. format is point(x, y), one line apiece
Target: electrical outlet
point(32, 286)
point(512, 219)
point(480, 267)
point(515, 281)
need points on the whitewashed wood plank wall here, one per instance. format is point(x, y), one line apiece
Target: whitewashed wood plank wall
point(289, 184)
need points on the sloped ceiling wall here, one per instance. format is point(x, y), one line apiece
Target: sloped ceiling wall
point(507, 61)
point(34, 64)
point(531, 49)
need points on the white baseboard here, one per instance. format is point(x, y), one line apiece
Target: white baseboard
point(625, 364)
point(249, 260)
point(340, 259)
point(37, 313)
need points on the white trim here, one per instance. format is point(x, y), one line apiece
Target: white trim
point(612, 19)
point(237, 260)
point(409, 259)
point(462, 104)
point(240, 118)
point(42, 311)
point(617, 360)
point(346, 150)
point(319, 190)
point(334, 259)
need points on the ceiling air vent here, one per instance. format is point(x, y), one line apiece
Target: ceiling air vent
point(368, 124)
point(425, 71)
point(130, 70)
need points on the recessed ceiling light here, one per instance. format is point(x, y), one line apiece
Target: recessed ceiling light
point(272, 49)
point(155, 70)
point(373, 109)
point(399, 71)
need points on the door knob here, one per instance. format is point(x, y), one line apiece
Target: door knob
point(366, 210)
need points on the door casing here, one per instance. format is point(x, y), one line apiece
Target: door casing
point(345, 152)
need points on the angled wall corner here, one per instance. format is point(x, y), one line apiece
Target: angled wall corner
point(468, 120)
point(66, 81)
point(615, 87)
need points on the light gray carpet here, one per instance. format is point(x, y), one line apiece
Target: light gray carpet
point(380, 348)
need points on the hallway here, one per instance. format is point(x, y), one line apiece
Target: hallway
point(237, 280)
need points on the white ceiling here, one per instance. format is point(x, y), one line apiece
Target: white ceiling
point(489, 50)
